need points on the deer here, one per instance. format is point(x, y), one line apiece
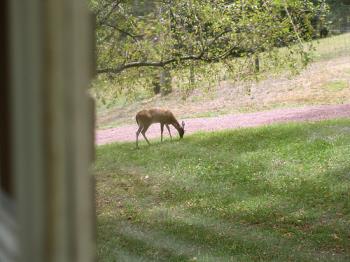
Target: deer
point(147, 117)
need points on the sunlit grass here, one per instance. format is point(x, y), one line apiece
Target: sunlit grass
point(113, 94)
point(276, 193)
point(331, 47)
point(337, 85)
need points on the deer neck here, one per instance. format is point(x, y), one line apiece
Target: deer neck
point(177, 125)
point(179, 128)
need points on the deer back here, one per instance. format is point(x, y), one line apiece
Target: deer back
point(163, 116)
point(155, 115)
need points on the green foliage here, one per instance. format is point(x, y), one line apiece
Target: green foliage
point(276, 193)
point(134, 40)
point(338, 17)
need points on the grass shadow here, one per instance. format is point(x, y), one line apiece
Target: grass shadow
point(274, 193)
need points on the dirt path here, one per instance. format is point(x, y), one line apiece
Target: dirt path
point(310, 113)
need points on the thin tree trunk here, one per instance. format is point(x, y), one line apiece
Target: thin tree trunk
point(257, 63)
point(165, 82)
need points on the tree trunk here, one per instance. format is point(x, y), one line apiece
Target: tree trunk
point(156, 85)
point(192, 76)
point(257, 63)
point(165, 82)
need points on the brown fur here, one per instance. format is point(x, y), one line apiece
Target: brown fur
point(147, 117)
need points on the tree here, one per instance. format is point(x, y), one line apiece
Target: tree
point(339, 16)
point(172, 34)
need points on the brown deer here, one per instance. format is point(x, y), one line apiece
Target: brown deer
point(145, 118)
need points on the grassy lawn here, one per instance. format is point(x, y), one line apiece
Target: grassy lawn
point(331, 47)
point(275, 193)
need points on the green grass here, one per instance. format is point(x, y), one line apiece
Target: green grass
point(336, 85)
point(332, 47)
point(275, 193)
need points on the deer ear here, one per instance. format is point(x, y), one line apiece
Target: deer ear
point(183, 124)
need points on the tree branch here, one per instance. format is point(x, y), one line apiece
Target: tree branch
point(134, 37)
point(114, 6)
point(123, 67)
point(200, 56)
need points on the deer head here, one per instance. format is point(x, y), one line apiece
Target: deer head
point(182, 130)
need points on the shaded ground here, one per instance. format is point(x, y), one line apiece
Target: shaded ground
point(309, 113)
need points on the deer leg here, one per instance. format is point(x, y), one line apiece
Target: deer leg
point(143, 132)
point(167, 126)
point(161, 132)
point(137, 136)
